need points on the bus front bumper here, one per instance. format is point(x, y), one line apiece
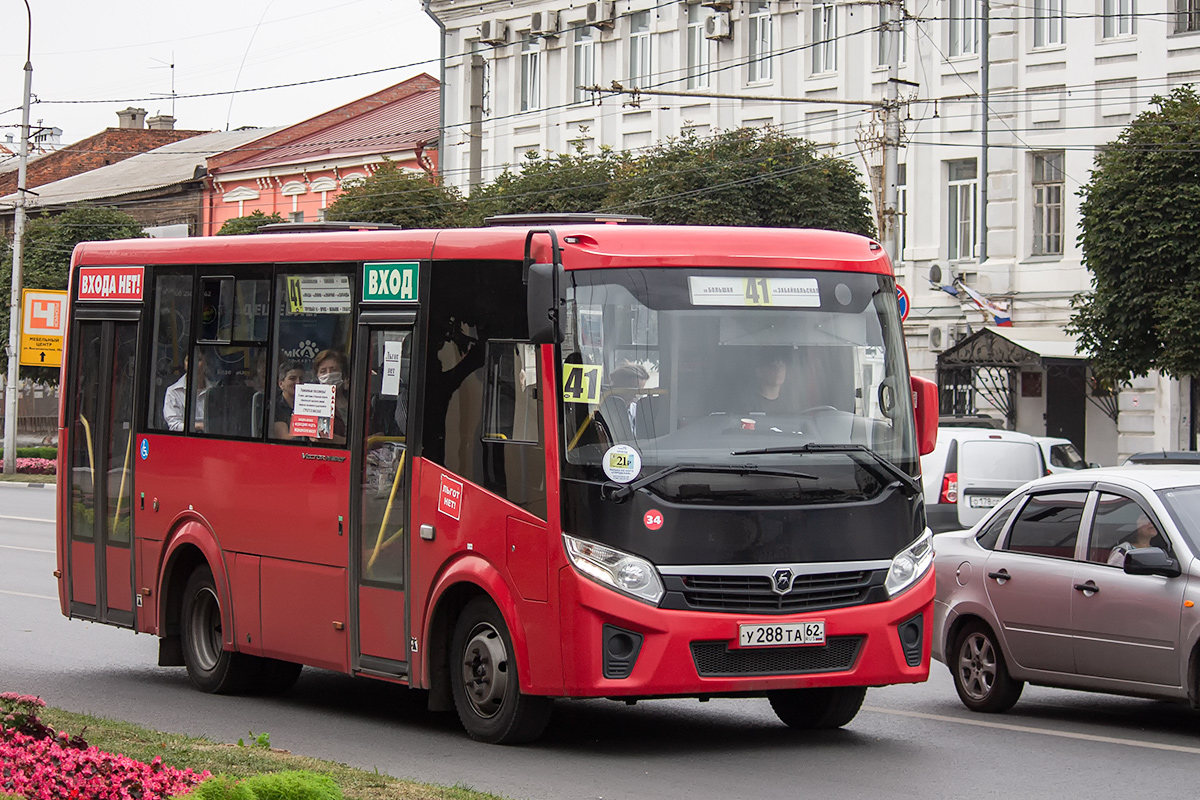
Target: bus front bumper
point(688, 653)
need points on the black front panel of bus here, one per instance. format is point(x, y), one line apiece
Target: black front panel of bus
point(867, 530)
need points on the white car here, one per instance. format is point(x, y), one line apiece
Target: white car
point(971, 470)
point(1060, 455)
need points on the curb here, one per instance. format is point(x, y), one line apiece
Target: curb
point(20, 485)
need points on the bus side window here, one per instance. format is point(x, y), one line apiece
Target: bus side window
point(513, 456)
point(172, 318)
point(227, 371)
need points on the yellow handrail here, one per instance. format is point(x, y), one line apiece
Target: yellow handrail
point(124, 476)
point(87, 430)
point(387, 513)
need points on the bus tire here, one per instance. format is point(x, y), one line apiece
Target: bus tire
point(980, 673)
point(209, 666)
point(484, 680)
point(817, 709)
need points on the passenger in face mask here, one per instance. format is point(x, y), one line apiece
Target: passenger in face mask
point(332, 369)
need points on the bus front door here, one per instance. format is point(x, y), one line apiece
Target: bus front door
point(379, 557)
point(100, 559)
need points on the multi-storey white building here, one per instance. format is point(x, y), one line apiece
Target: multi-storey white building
point(1062, 81)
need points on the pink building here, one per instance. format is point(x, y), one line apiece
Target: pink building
point(297, 171)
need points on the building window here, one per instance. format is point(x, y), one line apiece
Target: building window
point(585, 61)
point(901, 210)
point(1047, 23)
point(1048, 187)
point(964, 27)
point(296, 216)
point(1187, 15)
point(699, 48)
point(760, 41)
point(639, 50)
point(884, 35)
point(824, 38)
point(960, 208)
point(531, 83)
point(1118, 18)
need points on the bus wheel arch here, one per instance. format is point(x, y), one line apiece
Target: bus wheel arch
point(181, 563)
point(437, 645)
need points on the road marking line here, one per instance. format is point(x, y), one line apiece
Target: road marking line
point(1087, 737)
point(26, 549)
point(26, 594)
point(27, 519)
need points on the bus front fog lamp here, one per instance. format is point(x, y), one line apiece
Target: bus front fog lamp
point(617, 569)
point(910, 564)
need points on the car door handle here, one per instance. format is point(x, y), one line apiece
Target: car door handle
point(1090, 586)
point(1001, 576)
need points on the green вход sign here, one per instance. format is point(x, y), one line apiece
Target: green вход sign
point(390, 281)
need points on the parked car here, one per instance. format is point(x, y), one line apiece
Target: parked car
point(970, 421)
point(1164, 457)
point(1082, 580)
point(1060, 455)
point(971, 470)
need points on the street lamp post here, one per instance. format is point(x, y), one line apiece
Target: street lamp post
point(14, 307)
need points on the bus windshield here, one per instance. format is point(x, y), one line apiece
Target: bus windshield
point(784, 377)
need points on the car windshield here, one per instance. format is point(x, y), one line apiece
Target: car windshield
point(715, 367)
point(1184, 504)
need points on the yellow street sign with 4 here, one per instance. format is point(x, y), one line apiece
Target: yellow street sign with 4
point(43, 323)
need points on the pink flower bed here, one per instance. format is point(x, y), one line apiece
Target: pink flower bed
point(36, 466)
point(58, 767)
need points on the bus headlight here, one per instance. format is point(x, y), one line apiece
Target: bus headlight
point(626, 573)
point(910, 564)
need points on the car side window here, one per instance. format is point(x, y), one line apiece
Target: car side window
point(1121, 524)
point(988, 537)
point(1048, 525)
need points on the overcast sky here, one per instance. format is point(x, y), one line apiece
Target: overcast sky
point(121, 53)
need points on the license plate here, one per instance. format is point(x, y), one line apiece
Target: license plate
point(978, 501)
point(784, 635)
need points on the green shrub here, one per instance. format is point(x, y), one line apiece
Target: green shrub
point(35, 452)
point(286, 785)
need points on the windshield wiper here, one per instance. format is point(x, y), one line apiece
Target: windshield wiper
point(853, 450)
point(621, 491)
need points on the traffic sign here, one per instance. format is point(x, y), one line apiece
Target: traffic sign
point(43, 323)
point(902, 296)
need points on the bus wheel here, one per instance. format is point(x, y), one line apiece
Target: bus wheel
point(817, 709)
point(483, 677)
point(210, 667)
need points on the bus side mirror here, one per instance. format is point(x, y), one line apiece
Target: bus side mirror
point(542, 304)
point(925, 406)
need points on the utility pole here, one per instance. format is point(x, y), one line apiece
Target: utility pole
point(14, 307)
point(984, 77)
point(891, 133)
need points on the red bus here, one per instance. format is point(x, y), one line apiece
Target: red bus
point(542, 459)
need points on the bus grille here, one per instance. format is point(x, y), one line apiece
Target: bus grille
point(716, 660)
point(752, 594)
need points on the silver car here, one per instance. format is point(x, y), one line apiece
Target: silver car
point(1085, 580)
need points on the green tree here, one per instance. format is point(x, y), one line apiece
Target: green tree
point(1138, 219)
point(249, 223)
point(576, 182)
point(749, 176)
point(397, 197)
point(46, 258)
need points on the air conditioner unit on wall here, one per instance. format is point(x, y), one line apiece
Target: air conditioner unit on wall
point(493, 31)
point(717, 25)
point(718, 5)
point(543, 23)
point(600, 14)
point(942, 336)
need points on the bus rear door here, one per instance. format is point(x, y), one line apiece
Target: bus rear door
point(379, 554)
point(103, 375)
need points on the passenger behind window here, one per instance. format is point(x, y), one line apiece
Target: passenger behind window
point(290, 374)
point(629, 376)
point(332, 368)
point(1142, 536)
point(763, 390)
point(175, 398)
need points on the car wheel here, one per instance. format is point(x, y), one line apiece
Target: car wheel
point(817, 709)
point(209, 666)
point(980, 674)
point(484, 680)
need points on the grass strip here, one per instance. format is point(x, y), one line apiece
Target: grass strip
point(22, 477)
point(143, 744)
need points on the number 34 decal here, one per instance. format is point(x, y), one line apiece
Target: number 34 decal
point(581, 383)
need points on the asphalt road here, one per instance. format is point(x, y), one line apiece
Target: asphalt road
point(908, 742)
